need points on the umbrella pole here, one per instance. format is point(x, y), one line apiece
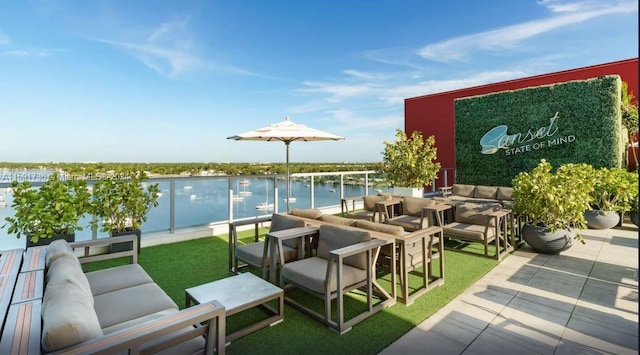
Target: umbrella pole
point(288, 182)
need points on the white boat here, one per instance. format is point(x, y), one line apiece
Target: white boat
point(245, 182)
point(245, 193)
point(192, 197)
point(291, 200)
point(263, 206)
point(237, 198)
point(159, 194)
point(188, 187)
point(3, 203)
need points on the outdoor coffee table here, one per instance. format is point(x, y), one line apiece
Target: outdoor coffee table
point(239, 293)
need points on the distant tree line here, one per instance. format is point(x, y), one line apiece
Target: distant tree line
point(191, 168)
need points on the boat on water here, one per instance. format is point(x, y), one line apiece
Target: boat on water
point(188, 187)
point(237, 198)
point(291, 200)
point(192, 197)
point(264, 206)
point(245, 182)
point(245, 193)
point(3, 203)
point(159, 194)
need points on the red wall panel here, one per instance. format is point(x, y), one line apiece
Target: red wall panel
point(434, 114)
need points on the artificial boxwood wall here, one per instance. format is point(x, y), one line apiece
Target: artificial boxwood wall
point(570, 122)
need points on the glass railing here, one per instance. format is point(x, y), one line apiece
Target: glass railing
point(196, 201)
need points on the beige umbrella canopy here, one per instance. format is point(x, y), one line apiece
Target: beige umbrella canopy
point(287, 132)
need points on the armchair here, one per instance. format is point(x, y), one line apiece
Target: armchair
point(480, 222)
point(369, 212)
point(345, 261)
point(252, 254)
point(414, 215)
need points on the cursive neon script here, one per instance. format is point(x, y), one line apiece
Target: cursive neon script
point(497, 137)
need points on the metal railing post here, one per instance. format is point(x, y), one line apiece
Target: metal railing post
point(172, 206)
point(311, 191)
point(230, 200)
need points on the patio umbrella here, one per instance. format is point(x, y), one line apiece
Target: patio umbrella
point(287, 132)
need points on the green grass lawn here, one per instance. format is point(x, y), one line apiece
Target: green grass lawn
point(176, 267)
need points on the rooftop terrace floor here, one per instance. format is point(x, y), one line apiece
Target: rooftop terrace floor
point(582, 301)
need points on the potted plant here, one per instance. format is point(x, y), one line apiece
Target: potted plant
point(633, 212)
point(120, 205)
point(611, 197)
point(410, 162)
point(49, 212)
point(629, 115)
point(552, 204)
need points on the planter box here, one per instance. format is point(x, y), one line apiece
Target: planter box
point(117, 247)
point(408, 191)
point(46, 241)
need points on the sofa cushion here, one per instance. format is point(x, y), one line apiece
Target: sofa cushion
point(131, 303)
point(117, 278)
point(371, 200)
point(485, 192)
point(462, 190)
point(476, 213)
point(505, 193)
point(413, 205)
point(329, 218)
point(312, 213)
point(68, 317)
point(281, 222)
point(331, 238)
point(465, 231)
point(379, 227)
point(56, 249)
point(66, 270)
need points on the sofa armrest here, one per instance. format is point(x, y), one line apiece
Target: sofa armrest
point(358, 248)
point(90, 254)
point(134, 338)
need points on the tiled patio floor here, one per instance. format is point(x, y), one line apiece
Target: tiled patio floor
point(583, 301)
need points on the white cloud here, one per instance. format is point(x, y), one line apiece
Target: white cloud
point(508, 37)
point(170, 51)
point(338, 92)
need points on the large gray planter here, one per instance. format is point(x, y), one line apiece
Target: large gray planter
point(633, 215)
point(597, 219)
point(544, 241)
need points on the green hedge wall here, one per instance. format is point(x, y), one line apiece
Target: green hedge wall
point(571, 122)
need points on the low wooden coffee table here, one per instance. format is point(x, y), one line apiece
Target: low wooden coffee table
point(239, 293)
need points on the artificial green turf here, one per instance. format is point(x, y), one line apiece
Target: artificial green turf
point(176, 267)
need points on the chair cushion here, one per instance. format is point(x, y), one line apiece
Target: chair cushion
point(66, 270)
point(280, 222)
point(56, 249)
point(476, 213)
point(68, 317)
point(117, 278)
point(371, 200)
point(331, 238)
point(379, 227)
point(505, 193)
point(312, 213)
point(408, 223)
point(413, 205)
point(366, 215)
point(329, 218)
point(131, 303)
point(252, 253)
point(463, 190)
point(485, 192)
point(312, 273)
point(465, 231)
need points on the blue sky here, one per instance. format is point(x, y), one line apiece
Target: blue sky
point(168, 81)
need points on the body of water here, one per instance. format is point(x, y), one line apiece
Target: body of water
point(200, 202)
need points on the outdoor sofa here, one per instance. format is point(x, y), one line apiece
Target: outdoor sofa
point(478, 193)
point(61, 309)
